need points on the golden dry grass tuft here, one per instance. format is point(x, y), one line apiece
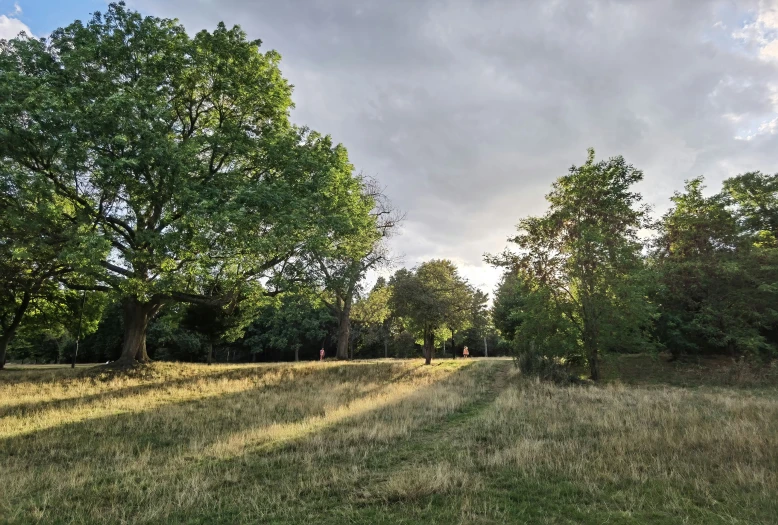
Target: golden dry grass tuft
point(380, 442)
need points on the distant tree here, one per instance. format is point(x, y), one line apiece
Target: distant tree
point(288, 321)
point(753, 199)
point(176, 156)
point(212, 322)
point(340, 267)
point(430, 297)
point(509, 302)
point(580, 258)
point(374, 314)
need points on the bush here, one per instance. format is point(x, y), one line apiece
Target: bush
point(534, 364)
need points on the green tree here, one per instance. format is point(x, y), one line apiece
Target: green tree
point(753, 198)
point(178, 154)
point(374, 314)
point(582, 255)
point(510, 299)
point(430, 297)
point(340, 267)
point(288, 321)
point(37, 238)
point(715, 272)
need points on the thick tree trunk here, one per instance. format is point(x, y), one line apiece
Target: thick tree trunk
point(210, 352)
point(5, 339)
point(344, 330)
point(296, 354)
point(136, 320)
point(429, 347)
point(4, 348)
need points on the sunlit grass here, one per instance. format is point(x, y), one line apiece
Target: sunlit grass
point(379, 442)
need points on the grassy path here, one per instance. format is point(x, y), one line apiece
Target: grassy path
point(388, 441)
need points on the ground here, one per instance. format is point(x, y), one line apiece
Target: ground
point(465, 441)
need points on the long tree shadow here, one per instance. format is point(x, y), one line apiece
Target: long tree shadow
point(249, 372)
point(344, 448)
point(176, 441)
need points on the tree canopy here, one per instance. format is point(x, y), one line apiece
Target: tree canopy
point(430, 297)
point(174, 157)
point(579, 260)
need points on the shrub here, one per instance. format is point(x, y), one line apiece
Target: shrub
point(534, 364)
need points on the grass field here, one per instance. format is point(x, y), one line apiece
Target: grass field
point(386, 442)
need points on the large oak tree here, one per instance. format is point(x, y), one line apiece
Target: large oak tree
point(176, 156)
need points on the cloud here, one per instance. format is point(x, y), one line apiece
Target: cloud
point(467, 110)
point(11, 27)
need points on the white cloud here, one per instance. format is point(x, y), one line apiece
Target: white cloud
point(763, 31)
point(11, 27)
point(17, 8)
point(468, 110)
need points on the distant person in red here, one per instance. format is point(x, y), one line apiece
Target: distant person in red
point(465, 352)
point(321, 354)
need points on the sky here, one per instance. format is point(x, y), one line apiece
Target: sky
point(467, 110)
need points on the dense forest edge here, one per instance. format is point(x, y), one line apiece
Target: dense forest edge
point(159, 204)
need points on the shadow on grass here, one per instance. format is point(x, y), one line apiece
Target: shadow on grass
point(653, 369)
point(290, 381)
point(156, 447)
point(256, 372)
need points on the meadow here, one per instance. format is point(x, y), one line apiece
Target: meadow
point(387, 441)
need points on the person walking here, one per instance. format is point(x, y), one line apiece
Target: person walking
point(321, 354)
point(465, 352)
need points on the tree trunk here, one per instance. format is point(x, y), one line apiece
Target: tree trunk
point(429, 347)
point(4, 347)
point(591, 334)
point(15, 322)
point(210, 352)
point(386, 348)
point(344, 330)
point(136, 320)
point(590, 349)
point(296, 354)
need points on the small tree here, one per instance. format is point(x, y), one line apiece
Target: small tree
point(431, 296)
point(582, 255)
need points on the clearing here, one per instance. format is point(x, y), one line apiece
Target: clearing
point(385, 441)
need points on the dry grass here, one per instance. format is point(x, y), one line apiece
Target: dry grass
point(379, 442)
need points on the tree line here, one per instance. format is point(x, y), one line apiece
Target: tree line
point(157, 199)
point(597, 274)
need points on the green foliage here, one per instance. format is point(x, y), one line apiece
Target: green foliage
point(290, 321)
point(431, 297)
point(38, 237)
point(578, 262)
point(716, 264)
point(373, 319)
point(176, 154)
